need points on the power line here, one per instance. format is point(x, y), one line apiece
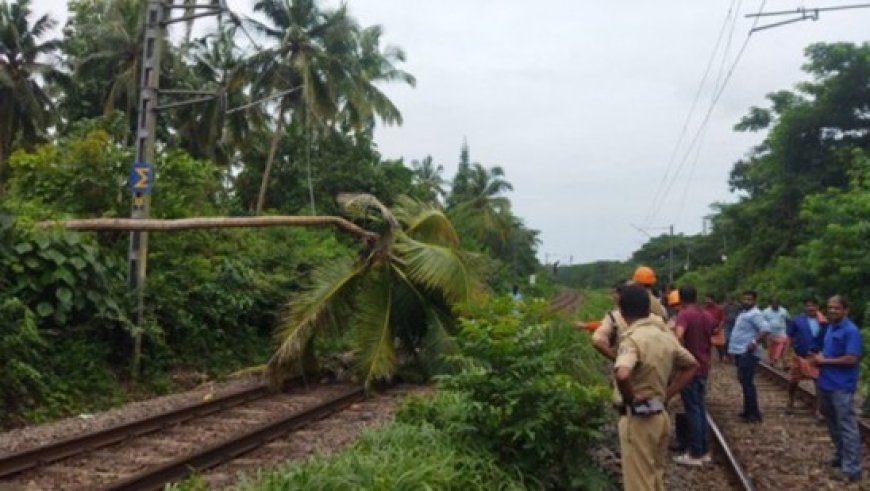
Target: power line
point(691, 112)
point(712, 106)
point(801, 10)
point(716, 86)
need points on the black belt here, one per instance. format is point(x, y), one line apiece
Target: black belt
point(649, 407)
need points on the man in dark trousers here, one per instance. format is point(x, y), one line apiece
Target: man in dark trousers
point(838, 380)
point(745, 345)
point(694, 328)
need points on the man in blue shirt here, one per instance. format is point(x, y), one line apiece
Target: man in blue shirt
point(807, 332)
point(750, 328)
point(838, 379)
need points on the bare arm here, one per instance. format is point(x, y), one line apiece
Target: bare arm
point(845, 360)
point(603, 347)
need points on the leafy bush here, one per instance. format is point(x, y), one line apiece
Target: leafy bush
point(212, 308)
point(527, 392)
point(62, 277)
point(21, 383)
point(397, 457)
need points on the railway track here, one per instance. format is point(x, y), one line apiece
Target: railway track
point(786, 451)
point(566, 301)
point(148, 453)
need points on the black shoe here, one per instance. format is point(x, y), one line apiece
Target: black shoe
point(752, 419)
point(835, 463)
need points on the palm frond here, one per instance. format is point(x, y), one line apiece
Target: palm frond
point(425, 223)
point(373, 322)
point(331, 290)
point(438, 268)
point(438, 342)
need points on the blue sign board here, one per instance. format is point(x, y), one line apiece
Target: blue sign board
point(141, 177)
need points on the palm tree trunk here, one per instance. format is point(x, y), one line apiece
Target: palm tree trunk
point(273, 148)
point(129, 224)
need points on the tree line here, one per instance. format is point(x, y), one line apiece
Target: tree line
point(299, 91)
point(801, 223)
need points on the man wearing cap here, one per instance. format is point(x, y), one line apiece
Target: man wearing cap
point(645, 276)
point(648, 359)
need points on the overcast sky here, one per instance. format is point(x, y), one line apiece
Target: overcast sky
point(582, 103)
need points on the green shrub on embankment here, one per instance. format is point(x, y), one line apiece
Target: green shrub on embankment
point(594, 305)
point(521, 409)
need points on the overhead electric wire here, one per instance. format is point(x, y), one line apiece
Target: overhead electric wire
point(726, 51)
point(691, 112)
point(712, 106)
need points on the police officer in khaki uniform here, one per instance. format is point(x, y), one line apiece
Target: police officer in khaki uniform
point(648, 358)
point(613, 327)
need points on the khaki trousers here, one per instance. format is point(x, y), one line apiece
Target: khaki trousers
point(643, 442)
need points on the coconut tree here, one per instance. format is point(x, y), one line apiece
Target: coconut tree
point(206, 130)
point(325, 66)
point(105, 45)
point(24, 104)
point(366, 67)
point(428, 182)
point(297, 30)
point(481, 209)
point(396, 294)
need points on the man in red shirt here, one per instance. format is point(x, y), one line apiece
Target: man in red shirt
point(718, 315)
point(694, 328)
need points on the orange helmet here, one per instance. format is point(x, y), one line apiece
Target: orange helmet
point(673, 298)
point(644, 275)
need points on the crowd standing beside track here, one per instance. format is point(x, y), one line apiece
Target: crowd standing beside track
point(647, 353)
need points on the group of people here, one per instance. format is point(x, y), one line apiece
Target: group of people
point(660, 348)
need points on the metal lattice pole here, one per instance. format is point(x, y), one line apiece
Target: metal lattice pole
point(142, 173)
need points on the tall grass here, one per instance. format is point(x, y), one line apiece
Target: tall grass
point(395, 457)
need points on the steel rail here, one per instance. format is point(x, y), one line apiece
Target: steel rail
point(806, 395)
point(68, 447)
point(738, 473)
point(157, 477)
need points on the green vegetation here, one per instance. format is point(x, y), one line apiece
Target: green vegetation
point(800, 225)
point(402, 457)
point(401, 287)
point(68, 114)
point(520, 409)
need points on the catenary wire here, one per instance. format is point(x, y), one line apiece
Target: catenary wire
point(671, 160)
point(710, 109)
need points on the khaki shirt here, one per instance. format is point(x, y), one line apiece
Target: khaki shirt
point(614, 320)
point(652, 355)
